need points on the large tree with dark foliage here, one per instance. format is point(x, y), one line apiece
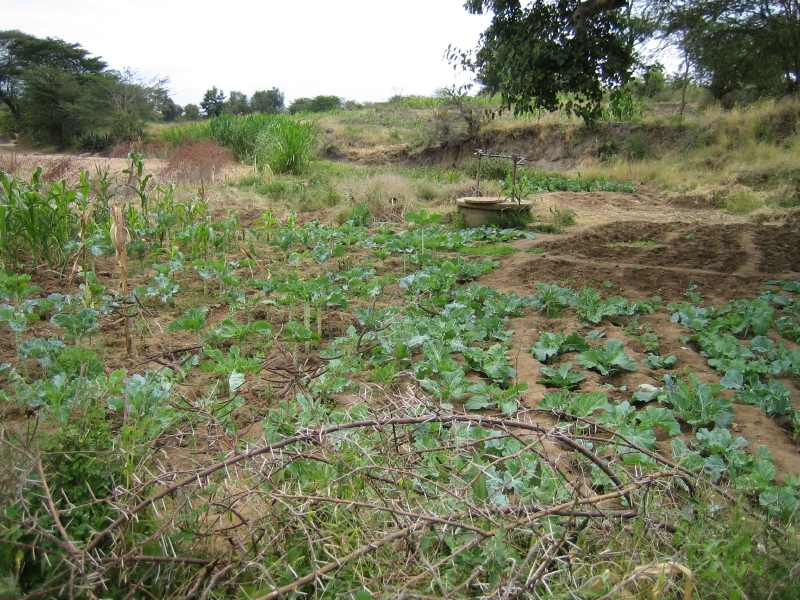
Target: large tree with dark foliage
point(740, 49)
point(191, 112)
point(21, 53)
point(237, 104)
point(170, 110)
point(57, 93)
point(550, 55)
point(213, 102)
point(568, 54)
point(315, 104)
point(267, 101)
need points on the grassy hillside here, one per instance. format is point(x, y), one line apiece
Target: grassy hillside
point(742, 160)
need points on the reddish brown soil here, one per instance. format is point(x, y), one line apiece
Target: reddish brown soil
point(709, 247)
point(725, 258)
point(780, 246)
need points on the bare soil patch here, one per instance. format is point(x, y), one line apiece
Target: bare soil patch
point(707, 247)
point(780, 246)
point(188, 165)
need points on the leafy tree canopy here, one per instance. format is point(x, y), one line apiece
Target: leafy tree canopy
point(740, 49)
point(20, 52)
point(568, 54)
point(315, 104)
point(237, 104)
point(57, 93)
point(540, 56)
point(213, 102)
point(170, 110)
point(267, 101)
point(191, 112)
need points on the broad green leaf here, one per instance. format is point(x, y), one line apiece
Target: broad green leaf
point(562, 376)
point(607, 360)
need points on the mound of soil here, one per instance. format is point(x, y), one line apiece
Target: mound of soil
point(780, 246)
point(707, 247)
point(637, 280)
point(724, 260)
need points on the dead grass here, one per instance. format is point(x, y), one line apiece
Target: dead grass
point(150, 148)
point(58, 168)
point(10, 162)
point(745, 150)
point(204, 161)
point(388, 197)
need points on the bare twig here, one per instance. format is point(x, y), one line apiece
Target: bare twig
point(331, 566)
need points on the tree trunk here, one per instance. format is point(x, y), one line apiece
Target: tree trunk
point(13, 107)
point(685, 85)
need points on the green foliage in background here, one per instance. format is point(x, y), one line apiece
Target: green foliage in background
point(57, 93)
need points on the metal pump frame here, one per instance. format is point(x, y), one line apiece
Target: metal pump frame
point(517, 160)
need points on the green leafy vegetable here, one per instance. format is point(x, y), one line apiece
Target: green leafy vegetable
point(608, 359)
point(562, 376)
point(654, 361)
point(697, 403)
point(549, 345)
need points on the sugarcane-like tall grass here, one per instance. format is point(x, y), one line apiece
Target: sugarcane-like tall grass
point(286, 146)
point(36, 220)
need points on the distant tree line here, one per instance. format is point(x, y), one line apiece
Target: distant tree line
point(56, 93)
point(215, 103)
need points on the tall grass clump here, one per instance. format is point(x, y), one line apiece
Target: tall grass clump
point(185, 133)
point(239, 133)
point(285, 146)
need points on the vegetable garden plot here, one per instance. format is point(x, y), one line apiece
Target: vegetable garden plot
point(218, 457)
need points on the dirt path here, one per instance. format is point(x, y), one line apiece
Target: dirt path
point(23, 162)
point(638, 247)
point(57, 166)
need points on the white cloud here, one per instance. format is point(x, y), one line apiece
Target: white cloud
point(358, 49)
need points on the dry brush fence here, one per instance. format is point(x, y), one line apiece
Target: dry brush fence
point(407, 501)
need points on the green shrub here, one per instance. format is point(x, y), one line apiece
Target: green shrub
point(315, 104)
point(608, 150)
point(778, 125)
point(562, 217)
point(240, 133)
point(637, 147)
point(787, 199)
point(742, 203)
point(76, 361)
point(491, 168)
point(535, 182)
point(426, 192)
point(319, 194)
point(277, 188)
point(358, 214)
point(83, 466)
point(94, 141)
point(6, 123)
point(285, 146)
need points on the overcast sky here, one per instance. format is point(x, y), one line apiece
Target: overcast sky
point(357, 49)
